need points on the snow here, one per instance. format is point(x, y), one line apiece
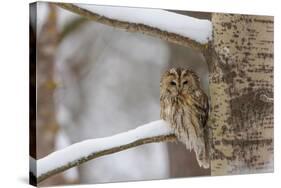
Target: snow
point(62, 141)
point(88, 101)
point(197, 29)
point(87, 147)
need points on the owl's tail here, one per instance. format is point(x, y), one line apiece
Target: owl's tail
point(202, 159)
point(202, 154)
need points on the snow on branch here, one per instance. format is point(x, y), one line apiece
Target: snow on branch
point(84, 151)
point(169, 26)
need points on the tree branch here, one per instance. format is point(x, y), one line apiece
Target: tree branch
point(76, 154)
point(146, 29)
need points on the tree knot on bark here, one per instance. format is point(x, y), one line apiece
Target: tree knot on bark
point(264, 97)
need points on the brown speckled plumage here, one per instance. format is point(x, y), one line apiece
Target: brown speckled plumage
point(185, 106)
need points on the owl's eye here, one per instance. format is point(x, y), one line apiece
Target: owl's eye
point(173, 83)
point(185, 82)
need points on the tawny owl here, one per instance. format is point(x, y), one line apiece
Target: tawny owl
point(185, 106)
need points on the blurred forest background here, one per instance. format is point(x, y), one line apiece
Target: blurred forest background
point(94, 81)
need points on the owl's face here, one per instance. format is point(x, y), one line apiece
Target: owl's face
point(178, 82)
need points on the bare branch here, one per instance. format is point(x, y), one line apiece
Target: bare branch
point(135, 27)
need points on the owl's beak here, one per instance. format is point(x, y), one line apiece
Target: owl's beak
point(180, 91)
point(179, 94)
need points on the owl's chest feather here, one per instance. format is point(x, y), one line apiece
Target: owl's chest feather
point(177, 113)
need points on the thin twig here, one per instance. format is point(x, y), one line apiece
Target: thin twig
point(134, 27)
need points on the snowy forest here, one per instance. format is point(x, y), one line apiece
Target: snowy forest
point(96, 118)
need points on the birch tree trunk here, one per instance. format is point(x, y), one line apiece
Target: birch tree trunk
point(241, 89)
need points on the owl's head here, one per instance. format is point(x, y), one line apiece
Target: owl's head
point(177, 82)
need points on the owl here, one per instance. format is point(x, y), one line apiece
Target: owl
point(185, 106)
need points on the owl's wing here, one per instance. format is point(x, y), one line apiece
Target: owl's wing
point(205, 110)
point(162, 108)
point(202, 109)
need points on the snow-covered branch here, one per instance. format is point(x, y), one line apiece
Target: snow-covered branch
point(84, 151)
point(169, 26)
